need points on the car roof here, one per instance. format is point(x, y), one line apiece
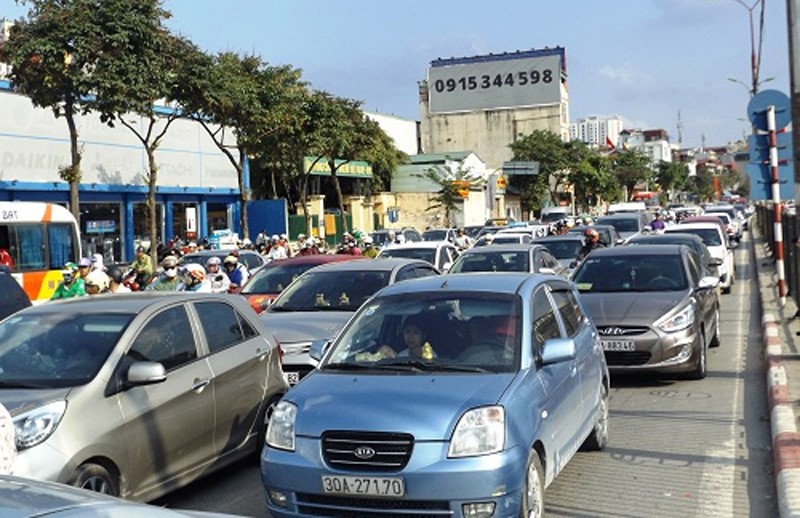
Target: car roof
point(370, 265)
point(569, 236)
point(503, 247)
point(596, 226)
point(124, 302)
point(626, 251)
point(491, 282)
point(672, 237)
point(620, 215)
point(697, 224)
point(418, 244)
point(311, 259)
point(228, 251)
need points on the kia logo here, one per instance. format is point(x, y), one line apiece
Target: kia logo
point(364, 452)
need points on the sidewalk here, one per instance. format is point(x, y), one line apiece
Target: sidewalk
point(782, 353)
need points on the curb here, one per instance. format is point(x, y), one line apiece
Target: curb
point(785, 437)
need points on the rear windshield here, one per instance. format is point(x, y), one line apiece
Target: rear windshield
point(343, 290)
point(631, 273)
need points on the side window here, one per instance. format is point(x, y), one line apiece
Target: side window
point(694, 268)
point(247, 328)
point(545, 323)
point(570, 311)
point(166, 338)
point(424, 271)
point(405, 273)
point(220, 325)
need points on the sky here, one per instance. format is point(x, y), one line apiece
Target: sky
point(643, 60)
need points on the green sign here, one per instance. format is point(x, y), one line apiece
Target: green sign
point(344, 168)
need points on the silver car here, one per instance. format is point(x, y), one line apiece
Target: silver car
point(136, 395)
point(653, 307)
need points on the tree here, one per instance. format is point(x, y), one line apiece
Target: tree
point(671, 176)
point(454, 184)
point(53, 56)
point(548, 149)
point(142, 63)
point(701, 185)
point(590, 175)
point(631, 167)
point(244, 96)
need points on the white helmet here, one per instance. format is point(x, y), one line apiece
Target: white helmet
point(98, 279)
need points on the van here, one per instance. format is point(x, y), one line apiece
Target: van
point(553, 214)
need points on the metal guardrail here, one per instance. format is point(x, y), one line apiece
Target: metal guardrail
point(791, 251)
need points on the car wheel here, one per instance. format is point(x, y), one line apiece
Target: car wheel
point(95, 477)
point(598, 439)
point(533, 492)
point(715, 341)
point(702, 361)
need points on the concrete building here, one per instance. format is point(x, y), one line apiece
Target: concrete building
point(404, 132)
point(653, 143)
point(5, 29)
point(598, 132)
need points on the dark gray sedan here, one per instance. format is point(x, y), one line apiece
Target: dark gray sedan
point(653, 307)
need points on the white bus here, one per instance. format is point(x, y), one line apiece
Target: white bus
point(36, 240)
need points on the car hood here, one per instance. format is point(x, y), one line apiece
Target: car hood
point(369, 402)
point(305, 326)
point(21, 400)
point(635, 309)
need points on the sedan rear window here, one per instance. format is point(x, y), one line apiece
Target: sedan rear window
point(331, 291)
point(631, 273)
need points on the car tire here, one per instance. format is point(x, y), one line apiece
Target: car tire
point(95, 477)
point(715, 340)
point(701, 370)
point(598, 439)
point(533, 491)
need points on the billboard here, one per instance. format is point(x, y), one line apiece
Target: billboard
point(507, 80)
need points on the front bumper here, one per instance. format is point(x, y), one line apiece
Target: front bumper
point(434, 484)
point(657, 351)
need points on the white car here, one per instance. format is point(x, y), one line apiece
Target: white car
point(718, 246)
point(440, 254)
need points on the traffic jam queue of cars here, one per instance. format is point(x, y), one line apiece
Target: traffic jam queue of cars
point(367, 387)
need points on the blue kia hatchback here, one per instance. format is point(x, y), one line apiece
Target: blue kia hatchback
point(462, 395)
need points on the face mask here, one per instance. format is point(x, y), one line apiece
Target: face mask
point(171, 272)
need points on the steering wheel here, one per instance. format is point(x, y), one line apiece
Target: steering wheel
point(482, 350)
point(661, 282)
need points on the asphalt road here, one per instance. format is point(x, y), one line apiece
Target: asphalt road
point(677, 448)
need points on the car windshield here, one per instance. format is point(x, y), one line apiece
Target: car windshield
point(621, 224)
point(56, 349)
point(426, 254)
point(710, 236)
point(567, 249)
point(631, 273)
point(423, 332)
point(434, 235)
point(489, 261)
point(342, 290)
point(275, 278)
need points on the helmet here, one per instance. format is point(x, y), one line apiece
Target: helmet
point(72, 267)
point(591, 233)
point(367, 240)
point(194, 272)
point(231, 259)
point(213, 261)
point(97, 279)
point(115, 274)
point(169, 261)
point(275, 237)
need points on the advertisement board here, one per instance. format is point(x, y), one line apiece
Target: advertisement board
point(496, 81)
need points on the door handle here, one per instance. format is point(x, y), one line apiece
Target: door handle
point(261, 354)
point(199, 384)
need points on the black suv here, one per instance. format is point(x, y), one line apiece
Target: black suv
point(12, 296)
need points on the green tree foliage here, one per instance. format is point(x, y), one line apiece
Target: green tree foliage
point(671, 176)
point(701, 185)
point(591, 176)
point(631, 167)
point(548, 149)
point(244, 98)
point(451, 182)
point(53, 55)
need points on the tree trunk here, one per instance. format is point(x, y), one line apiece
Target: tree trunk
point(243, 193)
point(74, 176)
point(152, 220)
point(338, 188)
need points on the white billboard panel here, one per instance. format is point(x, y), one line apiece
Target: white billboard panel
point(490, 82)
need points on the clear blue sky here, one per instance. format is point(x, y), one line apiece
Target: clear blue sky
point(643, 60)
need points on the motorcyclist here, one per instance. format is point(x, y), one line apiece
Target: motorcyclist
point(142, 266)
point(462, 240)
point(591, 240)
point(72, 285)
point(217, 280)
point(168, 279)
point(369, 250)
point(658, 224)
point(115, 281)
point(193, 279)
point(96, 282)
point(234, 274)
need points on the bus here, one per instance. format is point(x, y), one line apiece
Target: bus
point(36, 240)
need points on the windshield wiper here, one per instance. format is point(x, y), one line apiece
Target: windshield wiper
point(458, 368)
point(347, 366)
point(25, 384)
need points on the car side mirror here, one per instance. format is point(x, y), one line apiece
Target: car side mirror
point(318, 349)
point(547, 271)
point(146, 373)
point(714, 261)
point(708, 282)
point(558, 350)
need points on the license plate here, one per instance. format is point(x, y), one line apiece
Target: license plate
point(618, 345)
point(292, 377)
point(392, 487)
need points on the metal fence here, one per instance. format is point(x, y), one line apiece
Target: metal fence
point(791, 252)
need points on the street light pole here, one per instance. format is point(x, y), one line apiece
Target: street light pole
point(755, 56)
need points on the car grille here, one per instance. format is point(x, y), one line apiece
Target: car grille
point(627, 357)
point(324, 505)
point(621, 330)
point(367, 451)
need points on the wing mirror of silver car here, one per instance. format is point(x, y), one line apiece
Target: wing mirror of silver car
point(557, 350)
point(714, 261)
point(146, 373)
point(708, 282)
point(318, 349)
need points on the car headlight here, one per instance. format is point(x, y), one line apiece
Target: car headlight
point(35, 426)
point(280, 431)
point(678, 322)
point(478, 432)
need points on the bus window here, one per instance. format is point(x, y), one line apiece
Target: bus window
point(60, 238)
